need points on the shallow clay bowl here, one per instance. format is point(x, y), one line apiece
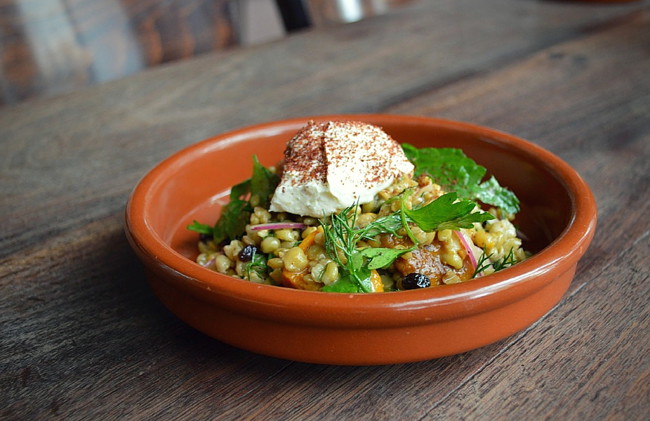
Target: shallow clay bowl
point(558, 218)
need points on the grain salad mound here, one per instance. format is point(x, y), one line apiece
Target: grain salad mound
point(351, 210)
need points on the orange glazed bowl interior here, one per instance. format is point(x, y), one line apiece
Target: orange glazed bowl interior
point(557, 217)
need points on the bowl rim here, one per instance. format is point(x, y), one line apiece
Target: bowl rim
point(481, 294)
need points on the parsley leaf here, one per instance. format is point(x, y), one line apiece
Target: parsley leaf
point(381, 257)
point(455, 171)
point(446, 213)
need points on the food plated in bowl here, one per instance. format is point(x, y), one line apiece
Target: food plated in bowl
point(557, 217)
point(349, 209)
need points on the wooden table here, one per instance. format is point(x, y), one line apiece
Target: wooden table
point(82, 336)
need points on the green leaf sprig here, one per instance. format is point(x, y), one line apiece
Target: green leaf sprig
point(255, 191)
point(485, 262)
point(257, 264)
point(341, 235)
point(456, 172)
point(446, 212)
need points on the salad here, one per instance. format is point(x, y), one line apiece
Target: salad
point(351, 210)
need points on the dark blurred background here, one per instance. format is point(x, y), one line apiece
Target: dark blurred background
point(49, 47)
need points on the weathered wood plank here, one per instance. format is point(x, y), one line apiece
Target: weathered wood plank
point(82, 337)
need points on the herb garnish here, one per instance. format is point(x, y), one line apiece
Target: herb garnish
point(256, 191)
point(341, 236)
point(447, 212)
point(455, 171)
point(257, 264)
point(448, 167)
point(484, 263)
point(200, 228)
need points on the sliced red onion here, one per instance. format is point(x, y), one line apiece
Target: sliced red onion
point(468, 247)
point(278, 226)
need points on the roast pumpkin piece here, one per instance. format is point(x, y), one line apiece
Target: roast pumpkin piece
point(297, 280)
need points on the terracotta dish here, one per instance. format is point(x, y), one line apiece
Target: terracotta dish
point(558, 217)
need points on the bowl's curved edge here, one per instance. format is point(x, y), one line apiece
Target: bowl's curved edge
point(361, 345)
point(580, 231)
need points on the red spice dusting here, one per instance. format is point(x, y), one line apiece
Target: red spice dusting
point(351, 146)
point(305, 155)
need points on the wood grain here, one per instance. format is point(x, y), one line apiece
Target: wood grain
point(82, 337)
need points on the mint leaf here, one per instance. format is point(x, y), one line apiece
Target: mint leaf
point(262, 184)
point(447, 166)
point(446, 213)
point(236, 214)
point(232, 222)
point(492, 193)
point(455, 171)
point(241, 190)
point(200, 228)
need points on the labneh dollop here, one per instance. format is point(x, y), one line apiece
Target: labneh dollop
point(332, 165)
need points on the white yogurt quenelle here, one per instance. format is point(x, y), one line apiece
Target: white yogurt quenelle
point(332, 165)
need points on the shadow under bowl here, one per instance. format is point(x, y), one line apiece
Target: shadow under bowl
point(558, 218)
